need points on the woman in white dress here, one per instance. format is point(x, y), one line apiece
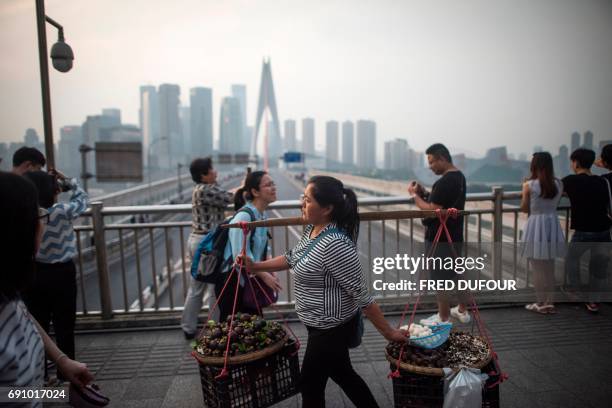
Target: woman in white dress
point(542, 239)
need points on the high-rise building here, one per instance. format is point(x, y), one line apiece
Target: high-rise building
point(201, 122)
point(31, 138)
point(149, 118)
point(563, 160)
point(69, 159)
point(239, 92)
point(185, 116)
point(170, 147)
point(575, 142)
point(366, 144)
point(396, 154)
point(308, 136)
point(348, 142)
point(588, 140)
point(331, 142)
point(290, 137)
point(230, 127)
point(114, 114)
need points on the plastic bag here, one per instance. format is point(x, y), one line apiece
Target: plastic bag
point(463, 389)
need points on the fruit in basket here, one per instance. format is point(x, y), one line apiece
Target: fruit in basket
point(461, 349)
point(249, 333)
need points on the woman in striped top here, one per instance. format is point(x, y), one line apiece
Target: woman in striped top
point(330, 291)
point(22, 340)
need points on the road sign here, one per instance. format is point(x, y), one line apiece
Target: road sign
point(118, 161)
point(293, 157)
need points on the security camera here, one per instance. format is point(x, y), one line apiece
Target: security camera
point(62, 56)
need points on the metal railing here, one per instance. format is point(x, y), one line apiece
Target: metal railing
point(158, 281)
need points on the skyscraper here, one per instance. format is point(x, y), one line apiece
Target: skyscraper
point(575, 143)
point(239, 92)
point(113, 113)
point(366, 144)
point(348, 142)
point(149, 117)
point(563, 160)
point(68, 149)
point(396, 154)
point(230, 127)
point(308, 136)
point(331, 142)
point(185, 116)
point(171, 146)
point(201, 122)
point(588, 140)
point(290, 138)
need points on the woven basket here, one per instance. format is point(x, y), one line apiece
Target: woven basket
point(242, 358)
point(437, 372)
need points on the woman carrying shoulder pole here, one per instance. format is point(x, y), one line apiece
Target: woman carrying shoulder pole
point(331, 291)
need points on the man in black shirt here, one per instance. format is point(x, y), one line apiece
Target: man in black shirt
point(447, 192)
point(589, 199)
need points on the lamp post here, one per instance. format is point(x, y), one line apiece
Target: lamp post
point(62, 57)
point(149, 158)
point(178, 176)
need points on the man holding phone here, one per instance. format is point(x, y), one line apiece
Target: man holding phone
point(449, 191)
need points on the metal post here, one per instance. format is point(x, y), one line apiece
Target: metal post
point(44, 82)
point(101, 260)
point(180, 186)
point(498, 228)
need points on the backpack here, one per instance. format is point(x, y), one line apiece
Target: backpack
point(208, 263)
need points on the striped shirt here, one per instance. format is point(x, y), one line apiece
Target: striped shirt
point(329, 282)
point(208, 201)
point(59, 240)
point(21, 349)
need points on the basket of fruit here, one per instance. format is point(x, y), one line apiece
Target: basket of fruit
point(263, 365)
point(421, 380)
point(252, 338)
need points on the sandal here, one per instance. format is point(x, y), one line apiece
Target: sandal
point(534, 307)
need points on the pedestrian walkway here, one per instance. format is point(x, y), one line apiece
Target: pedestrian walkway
point(562, 360)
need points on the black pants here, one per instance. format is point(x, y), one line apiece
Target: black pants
point(226, 303)
point(52, 298)
point(327, 356)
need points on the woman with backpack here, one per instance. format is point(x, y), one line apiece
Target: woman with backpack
point(330, 292)
point(251, 201)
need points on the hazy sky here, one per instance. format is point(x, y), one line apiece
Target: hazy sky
point(472, 74)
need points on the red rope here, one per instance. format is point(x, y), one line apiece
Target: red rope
point(443, 216)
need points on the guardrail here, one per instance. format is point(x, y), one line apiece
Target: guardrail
point(492, 219)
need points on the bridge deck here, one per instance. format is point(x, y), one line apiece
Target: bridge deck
point(561, 360)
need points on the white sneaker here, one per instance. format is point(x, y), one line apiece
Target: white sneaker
point(464, 317)
point(432, 320)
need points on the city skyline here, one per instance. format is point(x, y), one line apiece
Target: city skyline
point(459, 74)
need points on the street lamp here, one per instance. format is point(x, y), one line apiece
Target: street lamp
point(149, 158)
point(62, 57)
point(180, 185)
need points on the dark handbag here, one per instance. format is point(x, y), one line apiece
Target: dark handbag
point(357, 332)
point(257, 296)
point(87, 397)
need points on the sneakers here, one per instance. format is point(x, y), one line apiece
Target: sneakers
point(454, 312)
point(463, 317)
point(432, 320)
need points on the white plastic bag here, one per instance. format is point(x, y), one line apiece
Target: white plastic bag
point(463, 389)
